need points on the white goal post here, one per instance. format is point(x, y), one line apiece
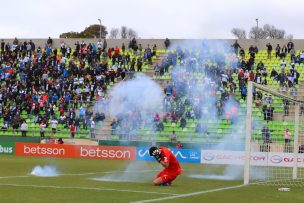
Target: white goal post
point(268, 136)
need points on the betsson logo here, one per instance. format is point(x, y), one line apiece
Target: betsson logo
point(39, 150)
point(104, 153)
point(6, 150)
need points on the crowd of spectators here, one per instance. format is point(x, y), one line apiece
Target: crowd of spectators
point(48, 84)
point(45, 85)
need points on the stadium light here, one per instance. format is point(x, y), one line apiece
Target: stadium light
point(100, 28)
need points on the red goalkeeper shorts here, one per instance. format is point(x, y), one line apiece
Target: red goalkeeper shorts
point(167, 176)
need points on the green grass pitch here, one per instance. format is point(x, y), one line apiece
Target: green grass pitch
point(124, 181)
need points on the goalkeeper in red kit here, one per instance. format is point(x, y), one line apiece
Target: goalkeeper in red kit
point(171, 166)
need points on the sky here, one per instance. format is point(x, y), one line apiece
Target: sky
point(152, 19)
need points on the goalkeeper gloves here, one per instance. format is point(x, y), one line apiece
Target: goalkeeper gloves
point(157, 157)
point(153, 151)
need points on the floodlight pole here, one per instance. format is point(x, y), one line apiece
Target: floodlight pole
point(257, 26)
point(99, 29)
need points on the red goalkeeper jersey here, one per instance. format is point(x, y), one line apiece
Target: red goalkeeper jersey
point(168, 157)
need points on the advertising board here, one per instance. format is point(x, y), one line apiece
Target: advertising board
point(256, 158)
point(182, 155)
point(76, 151)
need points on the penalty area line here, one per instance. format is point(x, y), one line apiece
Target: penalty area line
point(85, 188)
point(189, 194)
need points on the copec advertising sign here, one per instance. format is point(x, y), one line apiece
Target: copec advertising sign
point(182, 155)
point(7, 148)
point(256, 158)
point(75, 151)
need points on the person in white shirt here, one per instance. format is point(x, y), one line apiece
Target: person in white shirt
point(92, 128)
point(283, 64)
point(81, 80)
point(100, 45)
point(54, 123)
point(24, 128)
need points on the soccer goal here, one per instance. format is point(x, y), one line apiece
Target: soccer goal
point(274, 146)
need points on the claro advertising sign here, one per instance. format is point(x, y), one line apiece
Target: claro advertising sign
point(75, 151)
point(183, 155)
point(256, 158)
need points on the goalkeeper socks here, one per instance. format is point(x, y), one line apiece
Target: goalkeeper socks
point(165, 184)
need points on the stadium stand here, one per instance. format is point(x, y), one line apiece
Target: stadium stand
point(39, 85)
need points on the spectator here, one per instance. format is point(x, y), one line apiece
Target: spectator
point(266, 134)
point(278, 51)
point(286, 106)
point(236, 47)
point(72, 130)
point(167, 43)
point(2, 45)
point(60, 141)
point(287, 136)
point(15, 123)
point(159, 126)
point(296, 76)
point(24, 128)
point(92, 128)
point(292, 54)
point(54, 123)
point(293, 92)
point(274, 74)
point(244, 92)
point(4, 126)
point(290, 46)
point(183, 122)
point(114, 125)
point(251, 76)
point(269, 50)
point(157, 70)
point(260, 66)
point(42, 127)
point(50, 41)
point(81, 112)
point(173, 137)
point(179, 145)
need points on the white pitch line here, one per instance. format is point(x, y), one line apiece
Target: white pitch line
point(189, 194)
point(81, 174)
point(93, 173)
point(85, 188)
point(4, 177)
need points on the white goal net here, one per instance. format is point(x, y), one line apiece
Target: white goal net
point(274, 136)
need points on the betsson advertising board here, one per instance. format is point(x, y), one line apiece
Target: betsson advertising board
point(75, 151)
